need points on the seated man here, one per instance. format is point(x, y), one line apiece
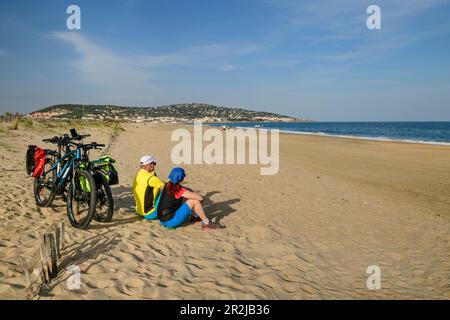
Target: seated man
point(146, 188)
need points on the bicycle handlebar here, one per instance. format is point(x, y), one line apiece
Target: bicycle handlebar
point(65, 139)
point(93, 145)
point(80, 137)
point(53, 140)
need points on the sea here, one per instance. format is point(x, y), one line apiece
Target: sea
point(414, 132)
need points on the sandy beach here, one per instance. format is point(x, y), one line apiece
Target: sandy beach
point(336, 207)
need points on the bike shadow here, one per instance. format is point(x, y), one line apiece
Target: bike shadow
point(123, 198)
point(123, 205)
point(115, 222)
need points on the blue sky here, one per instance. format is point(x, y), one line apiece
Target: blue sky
point(315, 59)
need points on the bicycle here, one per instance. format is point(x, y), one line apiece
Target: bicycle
point(72, 169)
point(51, 159)
point(104, 175)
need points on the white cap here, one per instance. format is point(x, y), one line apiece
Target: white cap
point(147, 160)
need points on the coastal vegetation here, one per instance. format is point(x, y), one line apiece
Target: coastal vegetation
point(175, 112)
point(13, 122)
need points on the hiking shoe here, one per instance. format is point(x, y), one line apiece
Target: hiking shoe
point(195, 219)
point(212, 226)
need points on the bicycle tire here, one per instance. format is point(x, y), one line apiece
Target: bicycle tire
point(102, 183)
point(91, 199)
point(37, 183)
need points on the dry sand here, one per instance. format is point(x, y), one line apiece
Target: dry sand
point(336, 207)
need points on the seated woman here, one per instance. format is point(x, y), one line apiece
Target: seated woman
point(176, 204)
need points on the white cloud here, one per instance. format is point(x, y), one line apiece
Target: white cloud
point(122, 78)
point(228, 67)
point(101, 66)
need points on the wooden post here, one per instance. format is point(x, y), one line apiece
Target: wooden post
point(45, 274)
point(48, 249)
point(26, 271)
point(61, 230)
point(53, 255)
point(46, 255)
point(57, 242)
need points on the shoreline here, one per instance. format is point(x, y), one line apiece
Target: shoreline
point(321, 134)
point(379, 139)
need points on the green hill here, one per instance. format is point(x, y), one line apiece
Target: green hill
point(175, 112)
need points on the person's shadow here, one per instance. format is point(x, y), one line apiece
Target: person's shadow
point(218, 210)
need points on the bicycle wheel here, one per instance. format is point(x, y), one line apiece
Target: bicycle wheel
point(44, 190)
point(105, 205)
point(81, 199)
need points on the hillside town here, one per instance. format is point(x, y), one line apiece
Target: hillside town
point(171, 113)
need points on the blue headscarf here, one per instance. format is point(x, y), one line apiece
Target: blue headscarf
point(176, 175)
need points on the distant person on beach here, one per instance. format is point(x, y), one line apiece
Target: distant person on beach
point(147, 188)
point(177, 203)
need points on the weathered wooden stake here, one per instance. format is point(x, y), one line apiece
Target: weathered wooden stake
point(26, 271)
point(53, 254)
point(61, 229)
point(58, 242)
point(45, 274)
point(48, 251)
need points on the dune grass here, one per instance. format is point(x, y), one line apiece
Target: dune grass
point(57, 126)
point(14, 124)
point(26, 123)
point(18, 123)
point(5, 135)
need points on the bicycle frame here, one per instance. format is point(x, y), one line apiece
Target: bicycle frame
point(62, 174)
